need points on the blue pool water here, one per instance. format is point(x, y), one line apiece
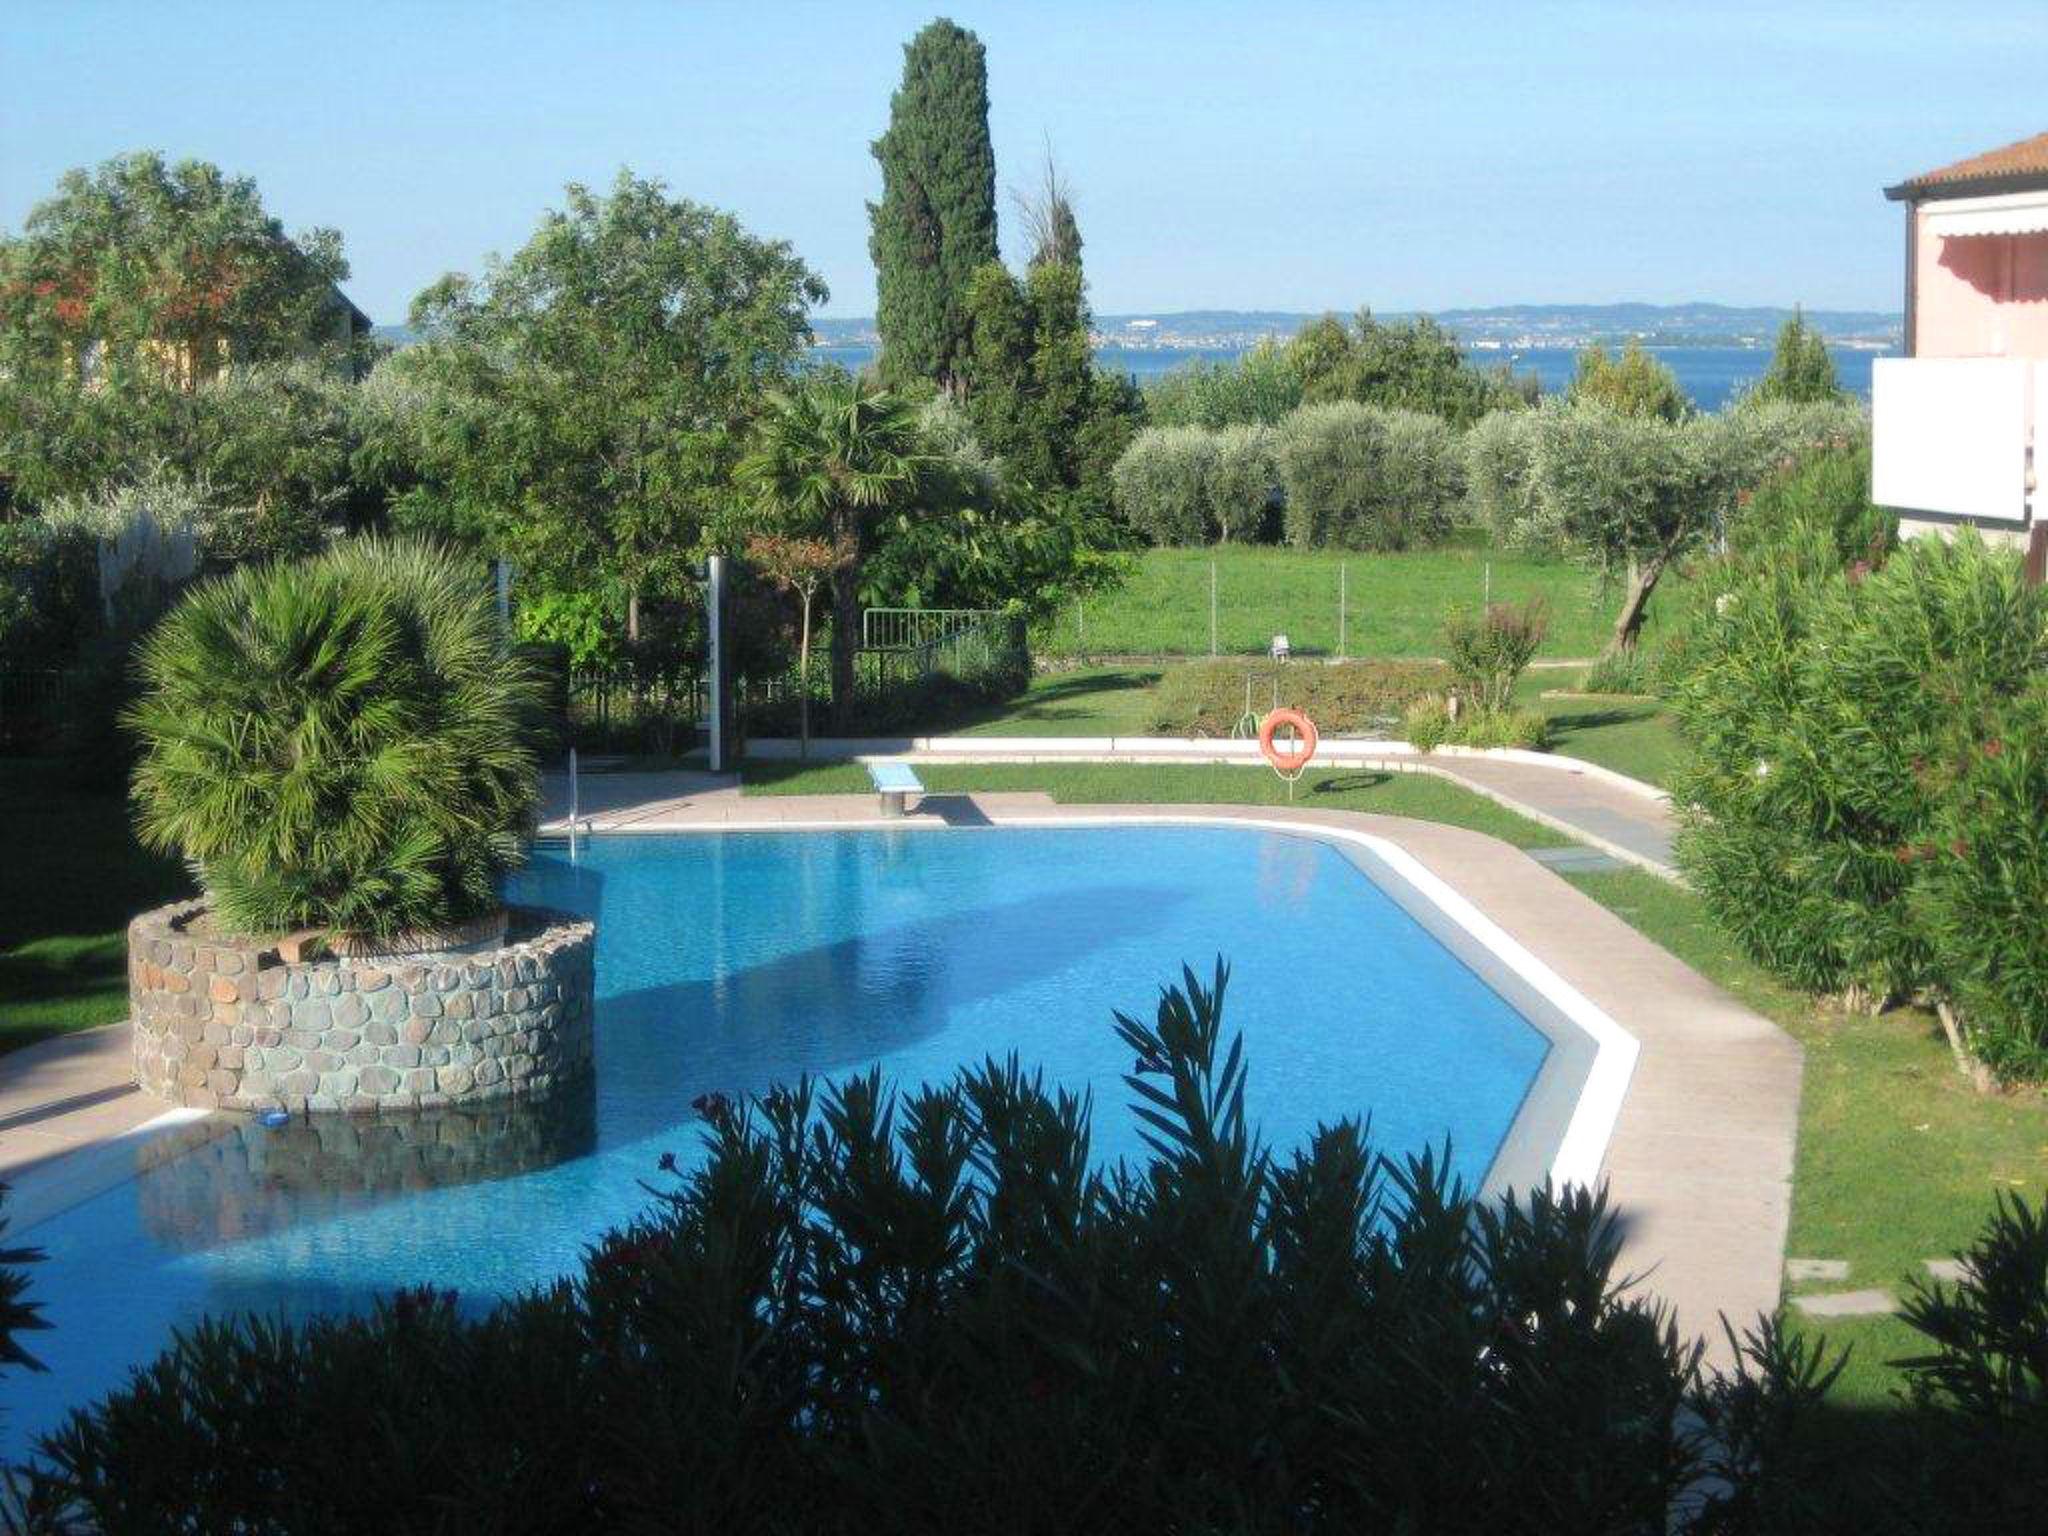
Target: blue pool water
point(729, 962)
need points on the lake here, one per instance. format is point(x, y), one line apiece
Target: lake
point(1710, 376)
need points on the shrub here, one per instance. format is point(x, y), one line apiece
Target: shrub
point(1243, 482)
point(49, 594)
point(1824, 490)
point(1427, 723)
point(1488, 650)
point(1829, 717)
point(344, 743)
point(880, 1311)
point(1352, 698)
point(1358, 477)
point(1162, 484)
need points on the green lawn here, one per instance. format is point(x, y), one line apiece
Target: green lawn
point(71, 878)
point(1395, 603)
point(1631, 735)
point(1899, 1159)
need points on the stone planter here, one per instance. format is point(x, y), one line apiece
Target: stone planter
point(226, 1023)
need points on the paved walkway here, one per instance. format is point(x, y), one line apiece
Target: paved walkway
point(1620, 816)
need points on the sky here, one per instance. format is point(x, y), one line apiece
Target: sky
point(1272, 156)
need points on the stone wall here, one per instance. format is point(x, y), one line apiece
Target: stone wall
point(226, 1023)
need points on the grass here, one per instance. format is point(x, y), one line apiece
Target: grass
point(1395, 603)
point(1629, 734)
point(72, 877)
point(1899, 1159)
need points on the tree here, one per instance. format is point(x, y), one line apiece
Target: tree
point(798, 566)
point(170, 270)
point(1035, 396)
point(829, 457)
point(1801, 371)
point(1414, 365)
point(1635, 384)
point(585, 401)
point(936, 223)
point(1631, 491)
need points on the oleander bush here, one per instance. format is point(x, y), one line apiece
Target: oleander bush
point(1350, 698)
point(345, 743)
point(927, 1311)
point(1628, 672)
point(1982, 889)
point(1838, 715)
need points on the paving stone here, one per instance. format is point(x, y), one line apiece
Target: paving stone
point(1846, 1304)
point(1816, 1269)
point(1953, 1271)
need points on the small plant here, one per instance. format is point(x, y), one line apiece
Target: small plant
point(1628, 672)
point(1427, 724)
point(345, 743)
point(1525, 729)
point(1489, 649)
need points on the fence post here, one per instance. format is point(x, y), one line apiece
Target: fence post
point(1080, 625)
point(1212, 609)
point(1486, 590)
point(1343, 600)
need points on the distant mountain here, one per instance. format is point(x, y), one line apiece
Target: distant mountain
point(1504, 325)
point(1509, 327)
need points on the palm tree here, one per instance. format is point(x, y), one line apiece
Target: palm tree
point(828, 456)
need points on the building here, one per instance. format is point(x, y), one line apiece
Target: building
point(1955, 421)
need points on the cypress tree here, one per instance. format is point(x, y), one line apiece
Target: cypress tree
point(936, 222)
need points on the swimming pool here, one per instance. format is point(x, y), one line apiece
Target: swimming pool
point(729, 961)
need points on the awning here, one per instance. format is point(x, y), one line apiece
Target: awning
point(2014, 213)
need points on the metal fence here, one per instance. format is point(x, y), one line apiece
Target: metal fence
point(913, 629)
point(31, 703)
point(627, 711)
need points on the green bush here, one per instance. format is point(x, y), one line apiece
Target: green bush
point(342, 743)
point(1162, 484)
point(1256, 389)
point(1429, 724)
point(926, 1311)
point(1982, 891)
point(1830, 715)
point(49, 594)
point(1360, 477)
point(1350, 698)
point(1489, 648)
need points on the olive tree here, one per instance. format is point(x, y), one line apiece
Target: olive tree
point(1162, 484)
point(1632, 492)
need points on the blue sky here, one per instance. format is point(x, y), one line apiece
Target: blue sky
point(1240, 156)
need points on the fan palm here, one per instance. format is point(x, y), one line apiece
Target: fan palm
point(829, 456)
point(343, 742)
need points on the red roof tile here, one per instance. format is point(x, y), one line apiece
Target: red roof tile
point(2026, 160)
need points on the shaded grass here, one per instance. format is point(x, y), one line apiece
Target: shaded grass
point(1088, 701)
point(1395, 603)
point(71, 877)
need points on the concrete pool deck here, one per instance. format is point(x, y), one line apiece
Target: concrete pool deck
point(1699, 1163)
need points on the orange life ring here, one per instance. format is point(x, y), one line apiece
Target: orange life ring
point(1288, 759)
